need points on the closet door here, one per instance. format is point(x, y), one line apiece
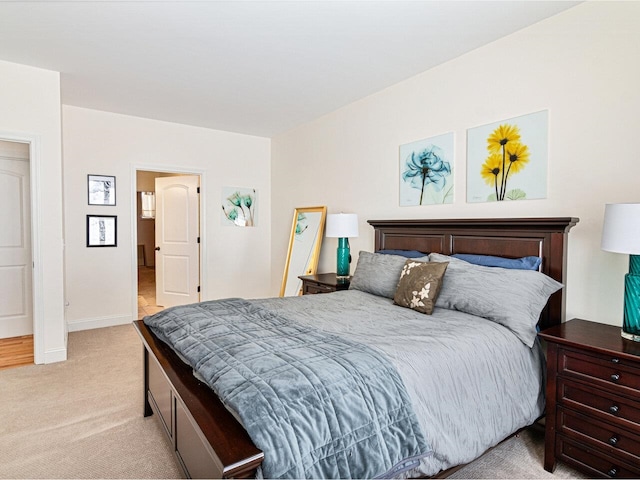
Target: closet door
point(16, 312)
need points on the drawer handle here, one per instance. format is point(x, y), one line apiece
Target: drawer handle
point(612, 472)
point(614, 409)
point(613, 440)
point(615, 360)
point(615, 377)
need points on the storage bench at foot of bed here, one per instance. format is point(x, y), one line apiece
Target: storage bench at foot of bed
point(206, 439)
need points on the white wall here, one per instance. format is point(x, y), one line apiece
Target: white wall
point(582, 65)
point(30, 108)
point(236, 261)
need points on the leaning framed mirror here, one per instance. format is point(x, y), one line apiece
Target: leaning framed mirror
point(304, 248)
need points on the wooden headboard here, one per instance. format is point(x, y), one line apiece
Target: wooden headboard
point(504, 237)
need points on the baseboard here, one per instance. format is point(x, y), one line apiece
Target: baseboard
point(101, 322)
point(53, 356)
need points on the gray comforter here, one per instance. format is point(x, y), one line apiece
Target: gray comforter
point(471, 381)
point(317, 404)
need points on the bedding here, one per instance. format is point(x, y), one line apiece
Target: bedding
point(445, 362)
point(513, 298)
point(522, 263)
point(319, 405)
point(419, 285)
point(378, 273)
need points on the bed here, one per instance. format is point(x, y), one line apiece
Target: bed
point(210, 441)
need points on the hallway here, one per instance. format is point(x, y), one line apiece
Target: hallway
point(147, 292)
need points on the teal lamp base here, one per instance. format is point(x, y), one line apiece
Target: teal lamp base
point(344, 258)
point(631, 322)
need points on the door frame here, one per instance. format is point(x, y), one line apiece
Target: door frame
point(37, 281)
point(134, 224)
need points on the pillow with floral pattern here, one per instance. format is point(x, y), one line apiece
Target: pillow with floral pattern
point(419, 285)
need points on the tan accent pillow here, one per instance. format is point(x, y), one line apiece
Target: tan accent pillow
point(420, 285)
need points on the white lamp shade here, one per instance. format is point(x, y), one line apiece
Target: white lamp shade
point(342, 225)
point(621, 229)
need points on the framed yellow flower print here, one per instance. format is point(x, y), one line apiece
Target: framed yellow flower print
point(507, 160)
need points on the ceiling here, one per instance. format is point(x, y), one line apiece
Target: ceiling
point(252, 67)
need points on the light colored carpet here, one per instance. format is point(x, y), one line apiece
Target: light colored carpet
point(83, 419)
point(519, 457)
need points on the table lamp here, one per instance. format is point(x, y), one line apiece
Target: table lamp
point(621, 234)
point(342, 226)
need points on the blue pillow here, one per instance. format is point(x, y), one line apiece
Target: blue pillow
point(403, 253)
point(524, 263)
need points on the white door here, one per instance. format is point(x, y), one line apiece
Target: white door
point(16, 311)
point(177, 240)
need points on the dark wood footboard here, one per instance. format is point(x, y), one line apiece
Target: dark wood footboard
point(206, 438)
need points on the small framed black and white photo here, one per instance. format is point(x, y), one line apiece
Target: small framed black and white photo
point(102, 189)
point(102, 231)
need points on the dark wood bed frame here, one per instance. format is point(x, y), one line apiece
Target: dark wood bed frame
point(207, 439)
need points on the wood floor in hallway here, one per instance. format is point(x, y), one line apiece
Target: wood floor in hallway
point(15, 352)
point(147, 292)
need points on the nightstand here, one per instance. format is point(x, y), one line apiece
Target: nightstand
point(593, 400)
point(323, 283)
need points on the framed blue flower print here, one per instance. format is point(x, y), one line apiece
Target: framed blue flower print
point(426, 171)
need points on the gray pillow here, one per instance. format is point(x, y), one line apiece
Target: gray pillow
point(513, 298)
point(379, 273)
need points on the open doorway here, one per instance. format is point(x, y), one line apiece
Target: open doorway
point(168, 240)
point(146, 226)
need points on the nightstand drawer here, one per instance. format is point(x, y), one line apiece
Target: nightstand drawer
point(605, 405)
point(603, 435)
point(593, 461)
point(323, 283)
point(604, 370)
point(313, 288)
